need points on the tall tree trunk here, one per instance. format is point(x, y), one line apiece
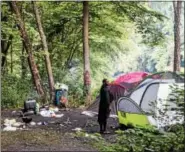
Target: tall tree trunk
point(5, 43)
point(45, 48)
point(23, 63)
point(4, 48)
point(177, 14)
point(28, 47)
point(86, 52)
point(11, 63)
point(23, 58)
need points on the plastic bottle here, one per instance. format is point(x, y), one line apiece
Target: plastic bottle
point(37, 108)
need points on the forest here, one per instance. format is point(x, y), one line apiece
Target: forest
point(79, 43)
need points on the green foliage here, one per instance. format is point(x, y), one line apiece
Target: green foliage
point(140, 140)
point(14, 91)
point(145, 19)
point(122, 36)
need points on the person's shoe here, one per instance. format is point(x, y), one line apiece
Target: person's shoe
point(106, 132)
point(101, 131)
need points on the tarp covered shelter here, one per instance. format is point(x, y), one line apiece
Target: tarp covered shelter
point(118, 88)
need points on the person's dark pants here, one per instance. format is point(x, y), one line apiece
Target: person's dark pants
point(103, 126)
point(102, 119)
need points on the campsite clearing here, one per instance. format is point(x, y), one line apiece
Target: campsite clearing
point(55, 135)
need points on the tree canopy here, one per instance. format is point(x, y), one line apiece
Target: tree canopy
point(123, 37)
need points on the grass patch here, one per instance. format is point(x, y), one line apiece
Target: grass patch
point(39, 137)
point(42, 140)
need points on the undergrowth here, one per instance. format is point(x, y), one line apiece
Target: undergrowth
point(139, 140)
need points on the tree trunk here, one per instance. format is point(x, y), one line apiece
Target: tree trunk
point(45, 48)
point(11, 53)
point(5, 43)
point(86, 52)
point(23, 58)
point(28, 47)
point(177, 14)
point(4, 48)
point(23, 63)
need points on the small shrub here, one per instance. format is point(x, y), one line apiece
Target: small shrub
point(14, 91)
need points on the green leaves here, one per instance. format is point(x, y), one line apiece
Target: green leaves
point(122, 37)
point(130, 140)
point(145, 19)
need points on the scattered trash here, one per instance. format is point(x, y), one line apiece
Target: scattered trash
point(42, 109)
point(62, 125)
point(90, 136)
point(13, 112)
point(77, 129)
point(51, 122)
point(44, 123)
point(59, 115)
point(19, 128)
point(89, 113)
point(8, 122)
point(54, 109)
point(47, 113)
point(17, 124)
point(10, 128)
point(32, 123)
point(11, 125)
point(37, 107)
point(39, 123)
point(51, 113)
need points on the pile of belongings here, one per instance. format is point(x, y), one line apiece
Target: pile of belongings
point(11, 125)
point(50, 112)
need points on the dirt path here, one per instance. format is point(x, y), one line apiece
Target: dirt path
point(56, 135)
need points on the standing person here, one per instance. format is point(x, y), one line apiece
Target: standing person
point(104, 106)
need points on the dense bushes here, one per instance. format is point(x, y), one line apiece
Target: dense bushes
point(142, 140)
point(15, 91)
point(138, 140)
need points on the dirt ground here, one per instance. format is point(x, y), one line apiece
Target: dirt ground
point(56, 135)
